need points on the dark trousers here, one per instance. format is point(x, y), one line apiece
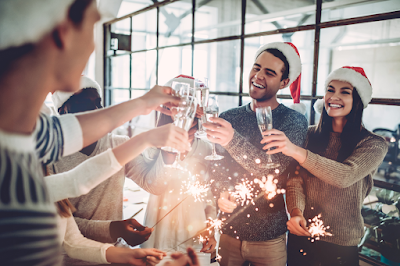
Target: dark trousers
point(303, 252)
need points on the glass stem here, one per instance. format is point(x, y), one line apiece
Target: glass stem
point(269, 158)
point(213, 149)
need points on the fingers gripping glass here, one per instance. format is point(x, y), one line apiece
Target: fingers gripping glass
point(183, 116)
point(264, 121)
point(212, 111)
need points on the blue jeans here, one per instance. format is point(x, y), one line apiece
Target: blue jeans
point(235, 252)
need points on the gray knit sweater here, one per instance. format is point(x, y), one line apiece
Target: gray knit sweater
point(337, 190)
point(264, 222)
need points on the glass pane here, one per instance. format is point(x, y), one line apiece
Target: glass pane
point(144, 30)
point(217, 18)
point(120, 71)
point(227, 102)
point(119, 40)
point(220, 62)
point(173, 62)
point(175, 23)
point(144, 70)
point(270, 15)
point(130, 6)
point(304, 41)
point(118, 96)
point(337, 10)
point(374, 46)
point(381, 116)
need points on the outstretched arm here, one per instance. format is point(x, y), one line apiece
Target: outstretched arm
point(96, 124)
point(246, 154)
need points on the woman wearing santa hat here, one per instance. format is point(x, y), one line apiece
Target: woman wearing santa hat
point(334, 173)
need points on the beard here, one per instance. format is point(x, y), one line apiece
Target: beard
point(261, 95)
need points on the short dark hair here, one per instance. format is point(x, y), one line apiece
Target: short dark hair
point(87, 99)
point(77, 9)
point(281, 56)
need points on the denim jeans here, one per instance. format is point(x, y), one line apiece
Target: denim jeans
point(235, 252)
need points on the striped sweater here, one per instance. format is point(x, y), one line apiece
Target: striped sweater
point(337, 190)
point(28, 228)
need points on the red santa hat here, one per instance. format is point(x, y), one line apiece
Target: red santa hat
point(185, 79)
point(353, 75)
point(23, 22)
point(60, 97)
point(289, 50)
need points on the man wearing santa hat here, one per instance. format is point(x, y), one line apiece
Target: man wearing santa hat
point(258, 235)
point(44, 46)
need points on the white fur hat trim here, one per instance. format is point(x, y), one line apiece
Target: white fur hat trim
point(290, 54)
point(27, 21)
point(60, 97)
point(356, 79)
point(319, 105)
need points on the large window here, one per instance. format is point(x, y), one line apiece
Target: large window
point(217, 39)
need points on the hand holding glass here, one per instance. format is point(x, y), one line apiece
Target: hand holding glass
point(264, 121)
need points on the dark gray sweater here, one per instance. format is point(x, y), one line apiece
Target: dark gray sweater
point(264, 222)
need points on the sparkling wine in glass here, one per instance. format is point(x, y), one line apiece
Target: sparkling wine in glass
point(264, 120)
point(212, 110)
point(202, 93)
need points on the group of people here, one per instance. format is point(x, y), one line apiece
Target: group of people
point(62, 176)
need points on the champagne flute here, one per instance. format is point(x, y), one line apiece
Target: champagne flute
point(264, 121)
point(212, 111)
point(202, 92)
point(183, 117)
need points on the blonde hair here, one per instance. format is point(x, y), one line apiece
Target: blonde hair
point(64, 207)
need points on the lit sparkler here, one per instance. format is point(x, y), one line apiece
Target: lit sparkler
point(197, 190)
point(317, 228)
point(244, 192)
point(268, 184)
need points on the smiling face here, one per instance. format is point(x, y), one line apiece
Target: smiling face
point(265, 77)
point(338, 99)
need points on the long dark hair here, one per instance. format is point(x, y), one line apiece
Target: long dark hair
point(352, 132)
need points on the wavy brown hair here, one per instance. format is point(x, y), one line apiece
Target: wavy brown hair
point(352, 132)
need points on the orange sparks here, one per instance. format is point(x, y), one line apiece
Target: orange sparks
point(244, 192)
point(197, 190)
point(317, 228)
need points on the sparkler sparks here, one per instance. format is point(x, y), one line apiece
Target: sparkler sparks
point(244, 192)
point(197, 190)
point(317, 228)
point(268, 184)
point(215, 224)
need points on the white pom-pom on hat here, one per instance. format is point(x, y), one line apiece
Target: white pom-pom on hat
point(23, 22)
point(60, 97)
point(356, 77)
point(319, 105)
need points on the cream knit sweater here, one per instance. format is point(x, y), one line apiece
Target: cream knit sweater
point(337, 189)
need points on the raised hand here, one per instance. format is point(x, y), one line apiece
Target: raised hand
point(226, 203)
point(278, 139)
point(169, 135)
point(130, 230)
point(157, 96)
point(219, 131)
point(297, 224)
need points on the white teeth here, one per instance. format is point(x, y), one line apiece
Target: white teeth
point(335, 105)
point(258, 85)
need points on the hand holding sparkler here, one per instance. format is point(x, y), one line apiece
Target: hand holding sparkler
point(226, 202)
point(297, 224)
point(184, 260)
